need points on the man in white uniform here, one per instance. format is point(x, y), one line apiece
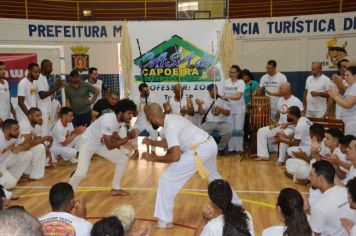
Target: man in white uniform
point(141, 123)
point(14, 155)
point(301, 134)
point(65, 137)
point(5, 103)
point(99, 138)
point(30, 130)
point(215, 111)
point(315, 93)
point(26, 92)
point(279, 124)
point(332, 205)
point(43, 96)
point(97, 83)
point(179, 104)
point(68, 214)
point(189, 149)
point(350, 224)
point(270, 83)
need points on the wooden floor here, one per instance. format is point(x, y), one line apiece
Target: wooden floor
point(257, 183)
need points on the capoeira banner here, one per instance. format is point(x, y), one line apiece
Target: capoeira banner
point(175, 52)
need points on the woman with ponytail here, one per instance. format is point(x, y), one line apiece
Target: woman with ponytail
point(222, 217)
point(295, 223)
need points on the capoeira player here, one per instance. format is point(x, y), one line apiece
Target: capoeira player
point(189, 149)
point(101, 138)
point(65, 137)
point(141, 123)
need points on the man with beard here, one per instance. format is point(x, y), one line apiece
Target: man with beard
point(101, 138)
point(189, 149)
point(14, 155)
point(105, 105)
point(332, 205)
point(77, 97)
point(5, 104)
point(100, 85)
point(30, 130)
point(26, 92)
point(44, 93)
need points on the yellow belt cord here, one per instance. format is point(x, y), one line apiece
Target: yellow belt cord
point(204, 174)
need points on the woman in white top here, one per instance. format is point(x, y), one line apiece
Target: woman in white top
point(295, 223)
point(348, 101)
point(224, 218)
point(234, 89)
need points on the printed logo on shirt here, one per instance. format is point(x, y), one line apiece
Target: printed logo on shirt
point(273, 84)
point(283, 109)
point(33, 91)
point(58, 227)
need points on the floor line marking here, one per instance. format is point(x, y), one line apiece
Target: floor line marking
point(134, 188)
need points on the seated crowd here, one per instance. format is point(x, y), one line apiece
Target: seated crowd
point(32, 137)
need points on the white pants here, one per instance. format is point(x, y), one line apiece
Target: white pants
point(298, 167)
point(236, 122)
point(66, 152)
point(142, 124)
point(265, 133)
point(176, 175)
point(86, 152)
point(13, 167)
point(36, 168)
point(350, 125)
point(315, 114)
point(45, 130)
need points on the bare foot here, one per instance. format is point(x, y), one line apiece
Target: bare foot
point(135, 155)
point(14, 197)
point(262, 159)
point(119, 192)
point(163, 225)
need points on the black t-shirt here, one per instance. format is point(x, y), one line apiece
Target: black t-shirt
point(102, 106)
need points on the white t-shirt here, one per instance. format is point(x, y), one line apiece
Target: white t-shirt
point(318, 84)
point(62, 223)
point(53, 115)
point(274, 231)
point(220, 103)
point(105, 125)
point(215, 226)
point(283, 105)
point(42, 86)
point(326, 212)
point(351, 112)
point(4, 143)
point(350, 175)
point(301, 131)
point(5, 109)
point(353, 231)
point(99, 86)
point(60, 132)
point(176, 106)
point(338, 108)
point(141, 106)
point(27, 128)
point(177, 129)
point(231, 89)
point(272, 84)
point(28, 90)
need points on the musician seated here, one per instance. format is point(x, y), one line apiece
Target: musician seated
point(278, 125)
point(215, 112)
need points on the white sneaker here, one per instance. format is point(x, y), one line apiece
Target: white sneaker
point(73, 160)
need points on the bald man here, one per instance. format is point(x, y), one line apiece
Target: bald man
point(179, 104)
point(315, 93)
point(278, 124)
point(189, 149)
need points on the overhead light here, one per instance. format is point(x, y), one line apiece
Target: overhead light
point(188, 6)
point(87, 13)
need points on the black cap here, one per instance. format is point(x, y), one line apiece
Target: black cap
point(74, 73)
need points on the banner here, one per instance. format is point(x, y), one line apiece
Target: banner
point(295, 26)
point(16, 67)
point(175, 52)
point(49, 30)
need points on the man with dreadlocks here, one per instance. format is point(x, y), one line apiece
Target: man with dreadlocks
point(189, 149)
